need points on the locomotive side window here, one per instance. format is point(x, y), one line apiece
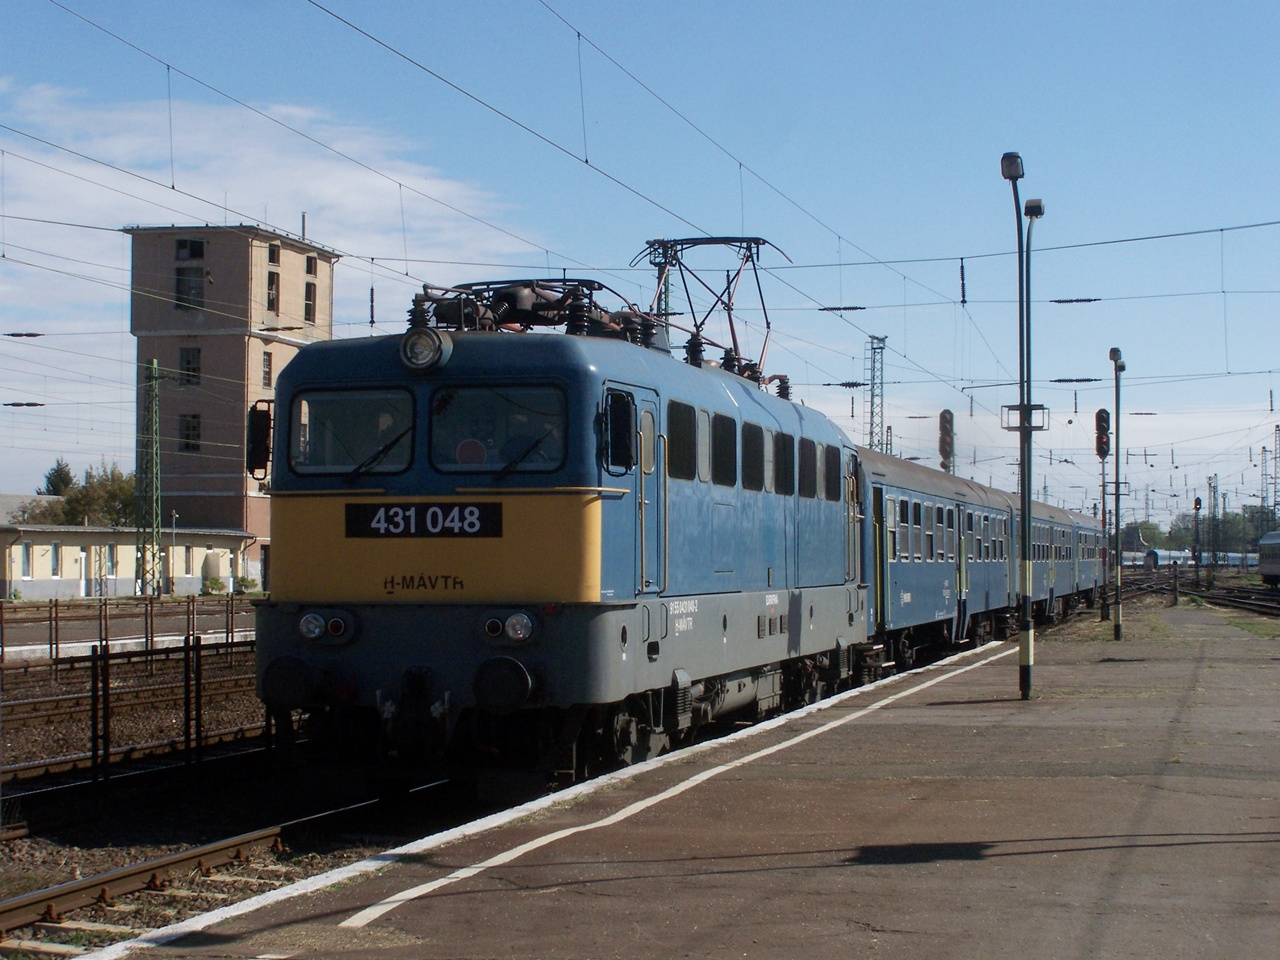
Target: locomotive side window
point(724, 451)
point(752, 457)
point(808, 469)
point(768, 461)
point(784, 463)
point(682, 443)
point(501, 429)
point(351, 431)
point(831, 465)
point(647, 441)
point(704, 446)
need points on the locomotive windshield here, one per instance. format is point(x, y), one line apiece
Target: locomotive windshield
point(351, 432)
point(497, 429)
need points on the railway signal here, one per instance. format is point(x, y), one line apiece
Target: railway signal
point(946, 439)
point(1102, 444)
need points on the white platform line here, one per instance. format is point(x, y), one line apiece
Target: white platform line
point(387, 858)
point(372, 913)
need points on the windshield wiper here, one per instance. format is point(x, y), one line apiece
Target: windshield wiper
point(376, 457)
point(521, 457)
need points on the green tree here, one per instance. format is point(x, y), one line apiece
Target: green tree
point(58, 480)
point(103, 499)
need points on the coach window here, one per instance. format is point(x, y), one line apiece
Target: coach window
point(784, 464)
point(768, 461)
point(891, 528)
point(682, 443)
point(986, 537)
point(704, 446)
point(951, 533)
point(724, 451)
point(904, 528)
point(940, 543)
point(752, 457)
point(808, 469)
point(968, 534)
point(929, 537)
point(831, 473)
point(916, 531)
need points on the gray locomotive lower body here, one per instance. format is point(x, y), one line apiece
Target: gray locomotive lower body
point(590, 684)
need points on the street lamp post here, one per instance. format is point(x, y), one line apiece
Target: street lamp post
point(1011, 169)
point(1119, 551)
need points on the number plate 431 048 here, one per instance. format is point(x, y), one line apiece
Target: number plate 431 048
point(377, 520)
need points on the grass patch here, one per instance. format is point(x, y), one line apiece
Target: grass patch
point(1262, 627)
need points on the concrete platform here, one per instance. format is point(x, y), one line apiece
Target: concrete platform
point(1128, 810)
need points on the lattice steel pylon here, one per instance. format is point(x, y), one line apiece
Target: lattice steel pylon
point(873, 374)
point(146, 496)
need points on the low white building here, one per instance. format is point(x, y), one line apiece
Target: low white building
point(42, 561)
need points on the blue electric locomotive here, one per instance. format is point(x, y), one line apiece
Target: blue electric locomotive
point(557, 552)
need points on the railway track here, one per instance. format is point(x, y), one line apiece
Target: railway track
point(65, 708)
point(118, 904)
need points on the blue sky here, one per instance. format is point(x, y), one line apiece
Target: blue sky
point(846, 134)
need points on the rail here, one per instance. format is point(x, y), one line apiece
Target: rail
point(49, 625)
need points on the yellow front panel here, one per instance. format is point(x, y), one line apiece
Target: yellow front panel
point(549, 551)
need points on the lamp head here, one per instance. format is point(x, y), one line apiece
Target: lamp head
point(1034, 209)
point(1011, 166)
point(1114, 355)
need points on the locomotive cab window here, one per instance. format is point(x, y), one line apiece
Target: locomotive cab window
point(345, 431)
point(499, 429)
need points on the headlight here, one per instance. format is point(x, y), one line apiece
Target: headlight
point(519, 626)
point(425, 347)
point(312, 626)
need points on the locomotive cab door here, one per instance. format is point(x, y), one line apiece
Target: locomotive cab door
point(635, 457)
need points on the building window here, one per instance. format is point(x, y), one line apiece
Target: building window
point(311, 266)
point(186, 560)
point(266, 368)
point(189, 431)
point(111, 560)
point(188, 365)
point(273, 253)
point(273, 292)
point(189, 250)
point(26, 559)
point(55, 559)
point(309, 304)
point(188, 288)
